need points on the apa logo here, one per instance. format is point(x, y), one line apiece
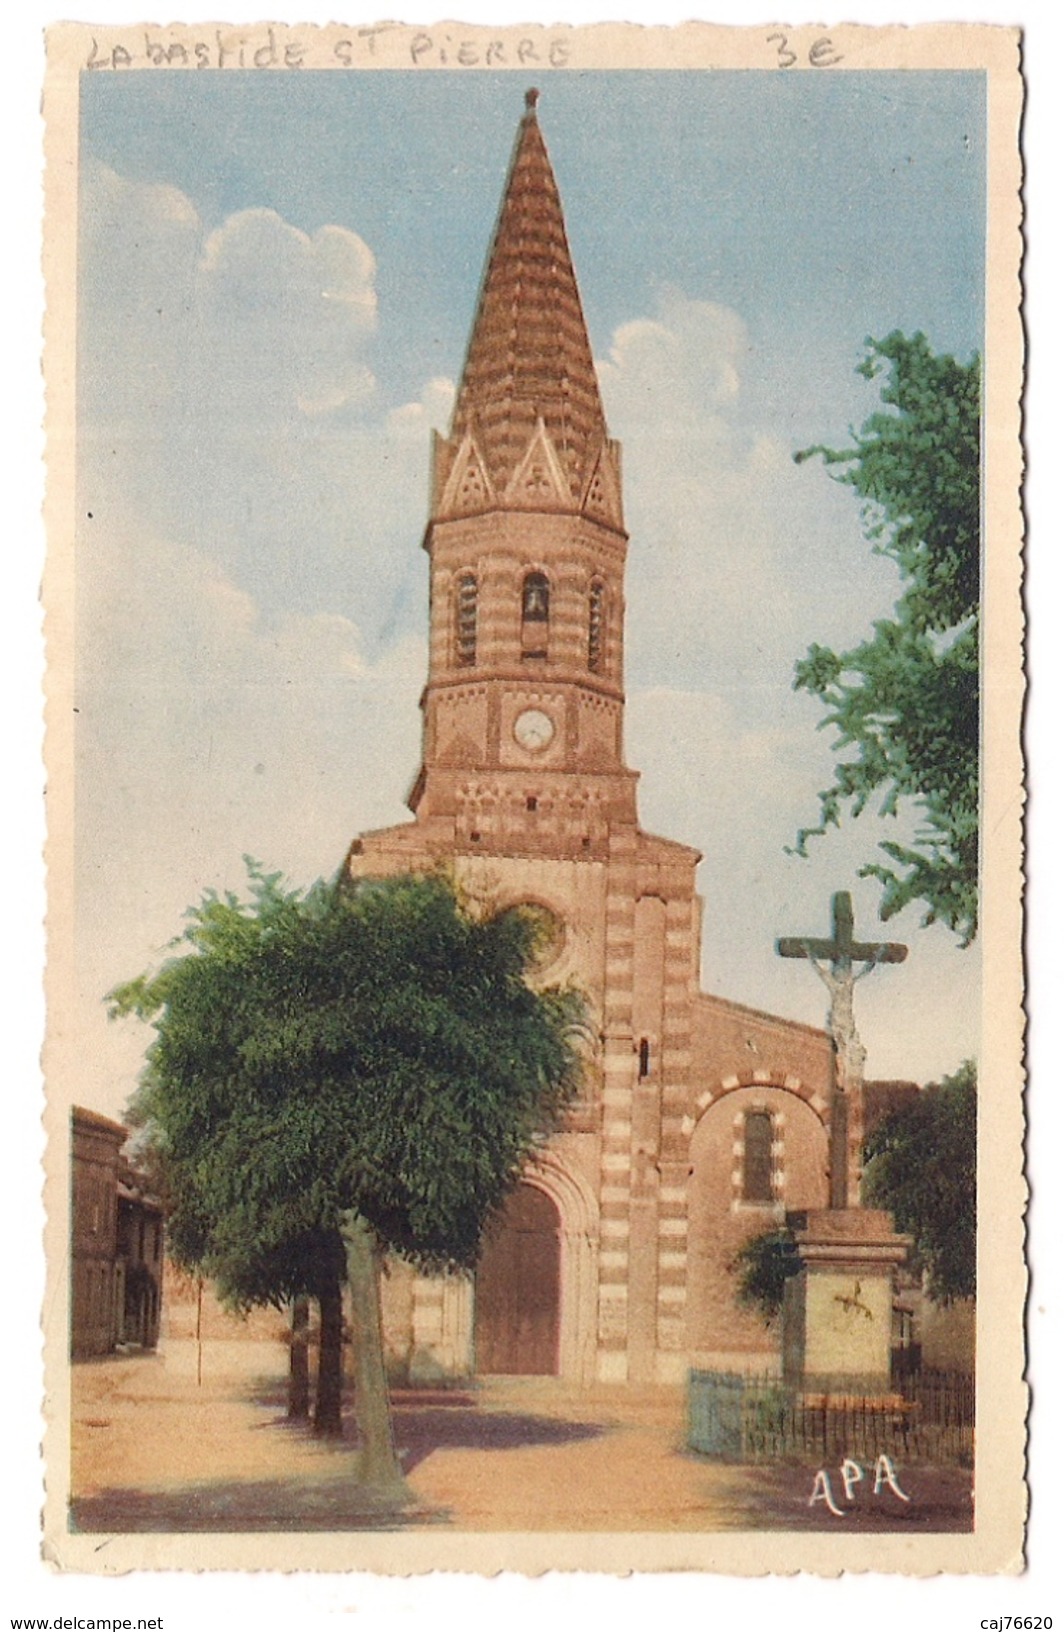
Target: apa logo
point(851, 1473)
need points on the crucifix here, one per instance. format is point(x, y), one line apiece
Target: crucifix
point(841, 962)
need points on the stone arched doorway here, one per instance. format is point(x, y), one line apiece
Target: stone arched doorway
point(517, 1298)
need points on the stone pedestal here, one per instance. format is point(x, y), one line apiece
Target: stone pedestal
point(837, 1309)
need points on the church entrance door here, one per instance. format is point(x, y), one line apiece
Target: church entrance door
point(518, 1286)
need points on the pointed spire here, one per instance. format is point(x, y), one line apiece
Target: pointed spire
point(529, 358)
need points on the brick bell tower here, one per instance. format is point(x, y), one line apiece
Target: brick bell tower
point(523, 710)
point(523, 789)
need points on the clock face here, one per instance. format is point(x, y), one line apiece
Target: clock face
point(533, 729)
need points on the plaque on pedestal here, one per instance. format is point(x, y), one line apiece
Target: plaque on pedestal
point(837, 1310)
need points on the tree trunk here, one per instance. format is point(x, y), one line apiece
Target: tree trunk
point(298, 1362)
point(328, 1421)
point(377, 1466)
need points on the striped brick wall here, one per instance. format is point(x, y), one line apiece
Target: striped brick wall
point(676, 1097)
point(618, 1070)
point(648, 1031)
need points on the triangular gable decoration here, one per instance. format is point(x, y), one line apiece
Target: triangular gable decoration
point(468, 488)
point(602, 494)
point(539, 482)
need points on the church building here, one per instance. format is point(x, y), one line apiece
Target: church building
point(700, 1121)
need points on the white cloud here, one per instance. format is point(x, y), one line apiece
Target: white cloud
point(138, 249)
point(676, 369)
point(207, 731)
point(739, 558)
point(180, 325)
point(432, 411)
point(230, 405)
point(282, 318)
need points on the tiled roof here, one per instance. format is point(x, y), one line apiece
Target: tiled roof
point(529, 357)
point(81, 1117)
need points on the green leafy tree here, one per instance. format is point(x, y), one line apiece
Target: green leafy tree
point(342, 1071)
point(764, 1264)
point(905, 703)
point(253, 1257)
point(921, 1165)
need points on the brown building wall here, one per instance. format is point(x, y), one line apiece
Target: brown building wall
point(116, 1242)
point(141, 1237)
point(732, 1041)
point(97, 1286)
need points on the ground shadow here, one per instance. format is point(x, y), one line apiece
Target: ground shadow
point(424, 1422)
point(420, 1430)
point(428, 1419)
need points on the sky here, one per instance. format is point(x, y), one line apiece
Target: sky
point(277, 275)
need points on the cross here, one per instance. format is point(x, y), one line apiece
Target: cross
point(834, 961)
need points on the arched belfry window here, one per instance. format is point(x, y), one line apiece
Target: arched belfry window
point(535, 615)
point(465, 622)
point(757, 1156)
point(535, 598)
point(596, 613)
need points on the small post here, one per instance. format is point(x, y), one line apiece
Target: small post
point(199, 1331)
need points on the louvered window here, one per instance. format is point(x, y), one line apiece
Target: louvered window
point(596, 608)
point(466, 620)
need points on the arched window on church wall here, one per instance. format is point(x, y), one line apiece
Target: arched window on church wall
point(596, 618)
point(720, 1220)
point(535, 615)
point(465, 622)
point(757, 1157)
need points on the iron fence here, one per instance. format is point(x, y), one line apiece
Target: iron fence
point(929, 1417)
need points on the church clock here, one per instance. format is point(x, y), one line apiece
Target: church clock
point(533, 730)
